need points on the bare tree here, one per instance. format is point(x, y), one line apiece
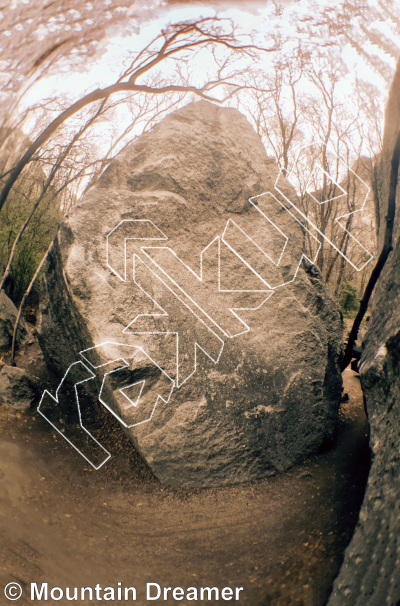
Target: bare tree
point(333, 136)
point(63, 146)
point(171, 44)
point(279, 107)
point(283, 110)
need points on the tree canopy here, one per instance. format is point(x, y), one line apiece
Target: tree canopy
point(301, 72)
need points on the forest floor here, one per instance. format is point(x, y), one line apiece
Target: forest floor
point(282, 539)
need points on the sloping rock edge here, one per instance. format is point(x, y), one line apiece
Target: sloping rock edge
point(370, 573)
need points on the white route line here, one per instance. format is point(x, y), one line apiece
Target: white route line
point(337, 219)
point(199, 278)
point(310, 190)
point(277, 264)
point(56, 400)
point(197, 345)
point(121, 390)
point(162, 237)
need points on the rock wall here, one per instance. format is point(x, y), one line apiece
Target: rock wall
point(370, 574)
point(166, 265)
point(8, 315)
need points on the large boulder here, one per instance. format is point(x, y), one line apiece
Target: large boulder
point(150, 267)
point(370, 574)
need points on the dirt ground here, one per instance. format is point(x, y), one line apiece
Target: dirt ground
point(282, 539)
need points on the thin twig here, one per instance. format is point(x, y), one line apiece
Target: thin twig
point(22, 304)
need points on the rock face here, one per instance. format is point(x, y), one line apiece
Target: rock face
point(150, 268)
point(17, 389)
point(370, 573)
point(8, 314)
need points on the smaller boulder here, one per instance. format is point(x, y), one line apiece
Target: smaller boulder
point(8, 315)
point(17, 388)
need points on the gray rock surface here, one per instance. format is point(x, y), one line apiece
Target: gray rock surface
point(8, 314)
point(17, 388)
point(258, 402)
point(370, 574)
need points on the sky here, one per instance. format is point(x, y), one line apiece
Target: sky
point(258, 19)
point(255, 18)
